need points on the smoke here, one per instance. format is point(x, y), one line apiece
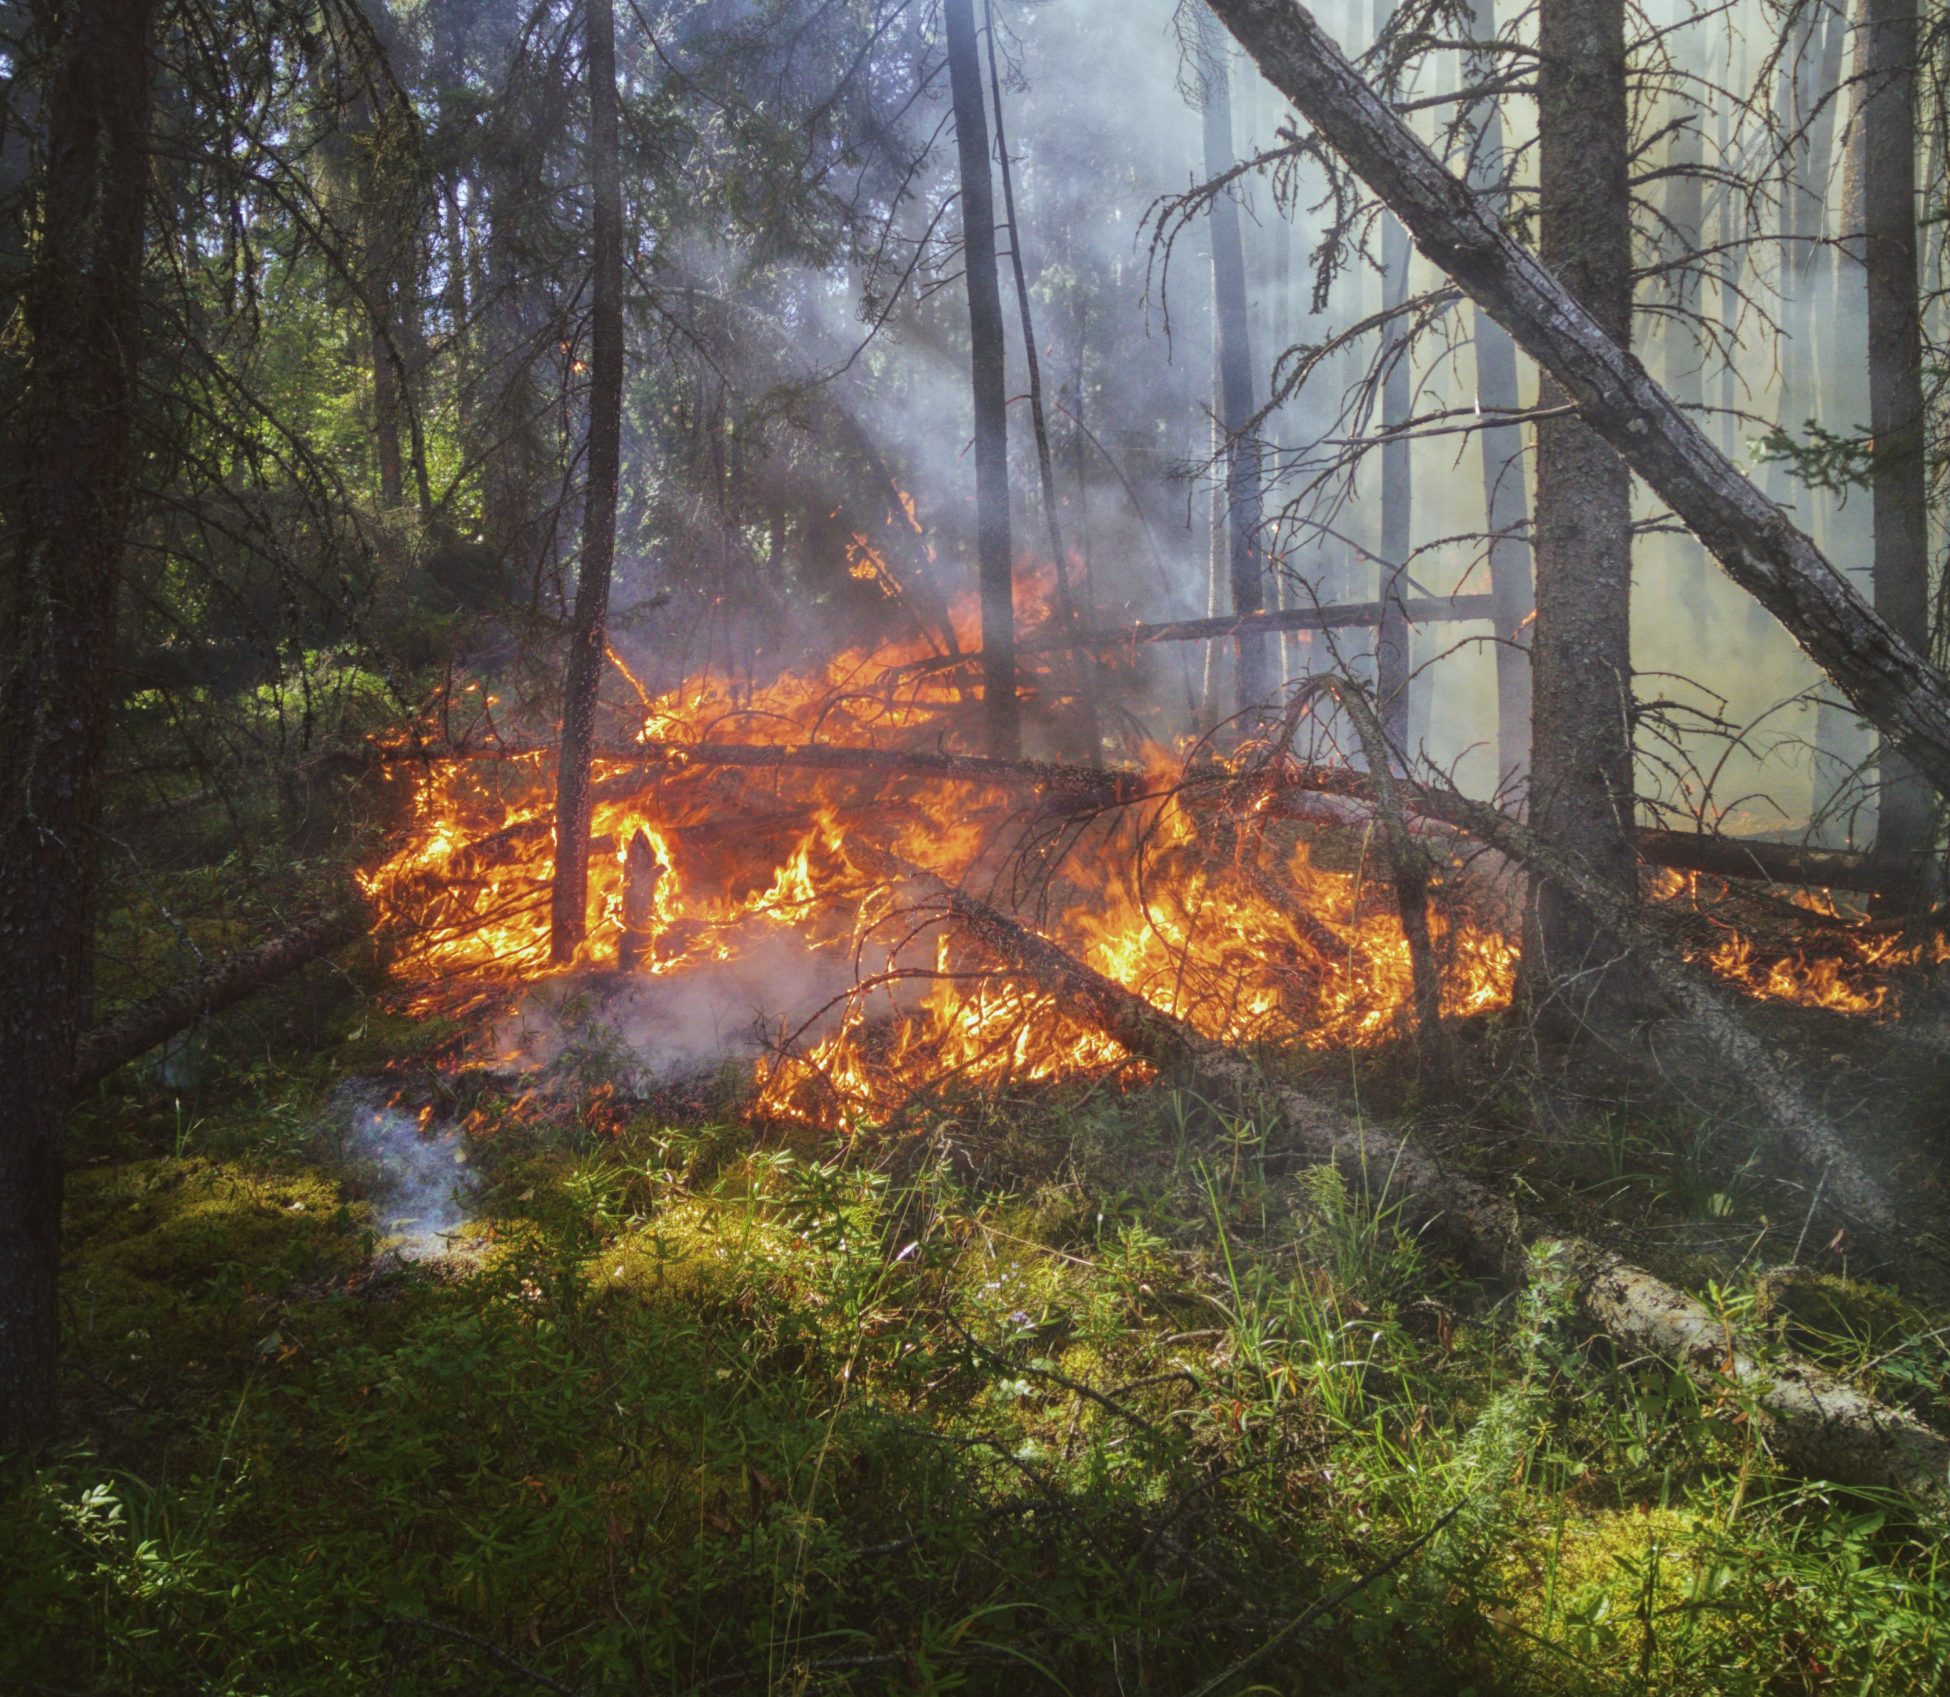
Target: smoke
point(416, 1175)
point(644, 1031)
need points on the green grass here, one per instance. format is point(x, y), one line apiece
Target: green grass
point(1074, 1394)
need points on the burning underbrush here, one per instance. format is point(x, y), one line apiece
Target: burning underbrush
point(763, 859)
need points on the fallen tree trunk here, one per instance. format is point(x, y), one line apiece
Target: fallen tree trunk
point(1895, 688)
point(1429, 610)
point(1690, 990)
point(139, 1029)
point(1761, 862)
point(1814, 1421)
point(1686, 851)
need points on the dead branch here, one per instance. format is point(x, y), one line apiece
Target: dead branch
point(1896, 689)
point(1691, 991)
point(1408, 864)
point(139, 1029)
point(1814, 1421)
point(1354, 615)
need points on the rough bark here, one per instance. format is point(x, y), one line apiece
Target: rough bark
point(1891, 683)
point(986, 357)
point(137, 1030)
point(1246, 567)
point(1815, 1422)
point(69, 505)
point(1581, 656)
point(1898, 476)
point(1506, 495)
point(569, 897)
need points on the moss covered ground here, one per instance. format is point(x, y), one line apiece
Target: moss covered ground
point(1090, 1392)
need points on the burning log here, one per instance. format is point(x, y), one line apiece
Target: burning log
point(641, 871)
point(1816, 1422)
point(139, 1029)
point(1773, 863)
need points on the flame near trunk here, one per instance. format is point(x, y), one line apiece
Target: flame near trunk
point(1237, 930)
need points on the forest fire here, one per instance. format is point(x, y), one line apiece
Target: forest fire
point(1249, 935)
point(1249, 941)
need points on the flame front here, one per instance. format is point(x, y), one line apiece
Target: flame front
point(1251, 942)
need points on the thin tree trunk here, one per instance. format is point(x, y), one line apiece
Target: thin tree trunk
point(69, 512)
point(1581, 724)
point(1506, 493)
point(986, 355)
point(569, 898)
point(1891, 683)
point(1392, 658)
point(1246, 569)
point(1898, 474)
point(1090, 735)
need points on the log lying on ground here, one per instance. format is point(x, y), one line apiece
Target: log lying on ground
point(1760, 862)
point(644, 763)
point(139, 1029)
point(1813, 1421)
point(1893, 686)
point(1849, 1186)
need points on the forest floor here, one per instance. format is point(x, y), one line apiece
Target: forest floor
point(1085, 1390)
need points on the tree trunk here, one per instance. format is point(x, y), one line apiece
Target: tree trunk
point(137, 1030)
point(1890, 682)
point(1392, 657)
point(569, 899)
point(1089, 731)
point(1246, 569)
point(986, 356)
point(1506, 495)
point(1898, 474)
point(1581, 724)
point(70, 509)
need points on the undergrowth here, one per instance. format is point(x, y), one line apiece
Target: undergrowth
point(1088, 1394)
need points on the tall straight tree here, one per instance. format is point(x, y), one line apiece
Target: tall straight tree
point(1581, 724)
point(1392, 657)
point(986, 356)
point(68, 509)
point(1233, 349)
point(569, 899)
point(1506, 496)
point(1898, 473)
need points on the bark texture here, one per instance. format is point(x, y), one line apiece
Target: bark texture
point(69, 505)
point(986, 356)
point(1893, 685)
point(1899, 479)
point(1581, 657)
point(569, 899)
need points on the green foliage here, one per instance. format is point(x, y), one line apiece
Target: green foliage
point(1094, 1395)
